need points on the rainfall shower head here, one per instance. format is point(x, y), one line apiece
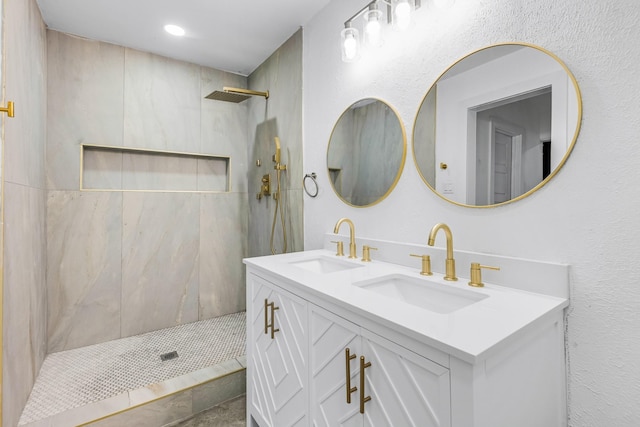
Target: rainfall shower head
point(233, 94)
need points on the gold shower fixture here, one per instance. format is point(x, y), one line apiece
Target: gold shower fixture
point(9, 109)
point(235, 94)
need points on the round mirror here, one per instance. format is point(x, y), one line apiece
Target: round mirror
point(366, 152)
point(497, 125)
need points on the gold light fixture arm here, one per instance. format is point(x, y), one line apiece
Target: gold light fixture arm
point(9, 109)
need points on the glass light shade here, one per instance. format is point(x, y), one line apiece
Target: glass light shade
point(401, 14)
point(373, 27)
point(350, 44)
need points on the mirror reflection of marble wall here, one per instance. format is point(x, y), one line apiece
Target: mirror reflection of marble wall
point(502, 119)
point(366, 152)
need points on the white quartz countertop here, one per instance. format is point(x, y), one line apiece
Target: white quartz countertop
point(469, 333)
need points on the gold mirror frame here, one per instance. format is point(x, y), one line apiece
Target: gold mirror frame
point(552, 173)
point(335, 173)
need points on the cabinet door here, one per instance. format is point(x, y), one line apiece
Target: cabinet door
point(278, 365)
point(330, 337)
point(405, 388)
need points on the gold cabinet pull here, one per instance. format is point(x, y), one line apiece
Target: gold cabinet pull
point(266, 316)
point(363, 399)
point(273, 319)
point(9, 109)
point(349, 357)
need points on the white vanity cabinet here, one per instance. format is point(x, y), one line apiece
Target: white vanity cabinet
point(388, 384)
point(277, 334)
point(496, 362)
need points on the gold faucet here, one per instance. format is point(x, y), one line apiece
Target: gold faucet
point(450, 263)
point(352, 235)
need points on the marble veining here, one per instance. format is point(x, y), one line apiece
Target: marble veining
point(160, 245)
point(85, 94)
point(84, 243)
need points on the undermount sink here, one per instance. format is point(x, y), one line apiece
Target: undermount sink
point(324, 264)
point(423, 293)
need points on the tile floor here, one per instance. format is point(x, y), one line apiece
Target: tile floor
point(79, 377)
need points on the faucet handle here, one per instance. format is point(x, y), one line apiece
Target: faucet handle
point(366, 255)
point(339, 248)
point(426, 264)
point(476, 274)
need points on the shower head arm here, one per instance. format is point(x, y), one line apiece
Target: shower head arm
point(246, 91)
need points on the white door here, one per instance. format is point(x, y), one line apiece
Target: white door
point(502, 171)
point(277, 355)
point(331, 337)
point(406, 389)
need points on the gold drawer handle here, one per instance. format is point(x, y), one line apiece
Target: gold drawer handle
point(266, 316)
point(273, 319)
point(349, 357)
point(270, 306)
point(363, 399)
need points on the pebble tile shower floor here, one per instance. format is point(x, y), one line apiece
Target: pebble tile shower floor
point(73, 378)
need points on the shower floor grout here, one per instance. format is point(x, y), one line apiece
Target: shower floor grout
point(74, 378)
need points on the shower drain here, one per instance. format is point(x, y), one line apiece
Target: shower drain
point(169, 356)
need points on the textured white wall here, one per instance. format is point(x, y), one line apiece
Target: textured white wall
point(586, 217)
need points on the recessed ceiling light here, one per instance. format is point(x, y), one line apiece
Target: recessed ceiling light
point(174, 30)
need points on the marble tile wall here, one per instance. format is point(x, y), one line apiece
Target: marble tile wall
point(280, 115)
point(127, 262)
point(23, 281)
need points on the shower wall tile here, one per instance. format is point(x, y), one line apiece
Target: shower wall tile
point(213, 175)
point(154, 172)
point(85, 93)
point(23, 181)
point(296, 217)
point(102, 169)
point(160, 245)
point(24, 76)
point(224, 124)
point(281, 74)
point(161, 103)
point(84, 231)
point(24, 302)
point(223, 245)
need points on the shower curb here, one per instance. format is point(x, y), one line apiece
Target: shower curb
point(159, 404)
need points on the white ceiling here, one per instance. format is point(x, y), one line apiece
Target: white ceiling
point(230, 35)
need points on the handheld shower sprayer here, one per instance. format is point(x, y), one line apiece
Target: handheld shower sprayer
point(276, 157)
point(277, 197)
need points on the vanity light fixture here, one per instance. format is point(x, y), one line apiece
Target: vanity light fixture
point(401, 14)
point(174, 30)
point(350, 43)
point(398, 14)
point(373, 26)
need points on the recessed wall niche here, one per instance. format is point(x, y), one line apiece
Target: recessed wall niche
point(108, 168)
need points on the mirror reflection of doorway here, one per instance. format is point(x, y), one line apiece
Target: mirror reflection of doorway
point(509, 152)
